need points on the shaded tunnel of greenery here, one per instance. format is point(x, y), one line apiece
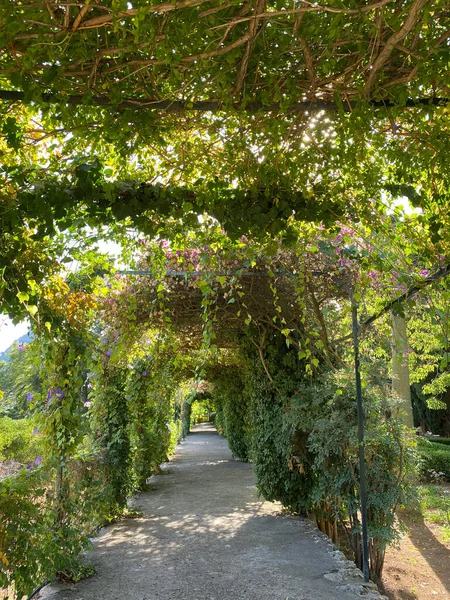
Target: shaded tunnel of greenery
point(243, 147)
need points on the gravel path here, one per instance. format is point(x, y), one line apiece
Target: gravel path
point(206, 535)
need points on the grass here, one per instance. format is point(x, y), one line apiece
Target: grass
point(434, 501)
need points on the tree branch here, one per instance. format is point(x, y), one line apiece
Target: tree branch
point(253, 31)
point(308, 7)
point(410, 293)
point(399, 35)
point(156, 9)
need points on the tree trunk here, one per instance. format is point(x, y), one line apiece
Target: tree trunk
point(400, 370)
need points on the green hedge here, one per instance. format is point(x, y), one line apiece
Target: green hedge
point(434, 458)
point(439, 440)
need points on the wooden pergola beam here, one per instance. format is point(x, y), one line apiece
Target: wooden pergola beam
point(171, 106)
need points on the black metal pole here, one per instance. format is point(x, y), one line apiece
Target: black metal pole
point(362, 459)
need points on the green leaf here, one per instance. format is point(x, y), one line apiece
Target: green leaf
point(32, 309)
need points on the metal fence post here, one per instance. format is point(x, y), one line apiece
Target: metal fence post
point(362, 460)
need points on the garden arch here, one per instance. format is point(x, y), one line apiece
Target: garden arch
point(261, 117)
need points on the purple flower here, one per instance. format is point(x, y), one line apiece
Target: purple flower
point(49, 395)
point(30, 396)
point(22, 346)
point(144, 373)
point(87, 404)
point(59, 393)
point(108, 353)
point(372, 274)
point(29, 467)
point(424, 272)
point(38, 461)
point(35, 431)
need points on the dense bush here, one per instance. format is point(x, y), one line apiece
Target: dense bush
point(439, 440)
point(28, 544)
point(277, 450)
point(434, 459)
point(111, 424)
point(18, 439)
point(232, 417)
point(50, 511)
point(150, 415)
point(327, 412)
point(36, 541)
point(302, 438)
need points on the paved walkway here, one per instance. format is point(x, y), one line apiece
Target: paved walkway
point(206, 535)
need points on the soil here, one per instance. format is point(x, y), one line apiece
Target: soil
point(420, 568)
point(9, 467)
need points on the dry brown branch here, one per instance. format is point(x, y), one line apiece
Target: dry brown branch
point(157, 9)
point(323, 328)
point(311, 7)
point(261, 356)
point(297, 24)
point(80, 16)
point(405, 29)
point(216, 9)
point(219, 51)
point(309, 65)
point(243, 11)
point(52, 15)
point(252, 33)
point(67, 17)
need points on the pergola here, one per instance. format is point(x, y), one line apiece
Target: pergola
point(227, 82)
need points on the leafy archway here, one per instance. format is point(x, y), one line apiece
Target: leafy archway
point(161, 120)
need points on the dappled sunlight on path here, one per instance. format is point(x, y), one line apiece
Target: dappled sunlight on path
point(205, 535)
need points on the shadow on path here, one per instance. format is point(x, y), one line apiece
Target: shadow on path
point(206, 535)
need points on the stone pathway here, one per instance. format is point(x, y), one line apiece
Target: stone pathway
point(205, 535)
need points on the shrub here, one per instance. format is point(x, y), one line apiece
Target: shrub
point(33, 548)
point(303, 441)
point(327, 412)
point(17, 440)
point(277, 448)
point(439, 440)
point(232, 416)
point(434, 459)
